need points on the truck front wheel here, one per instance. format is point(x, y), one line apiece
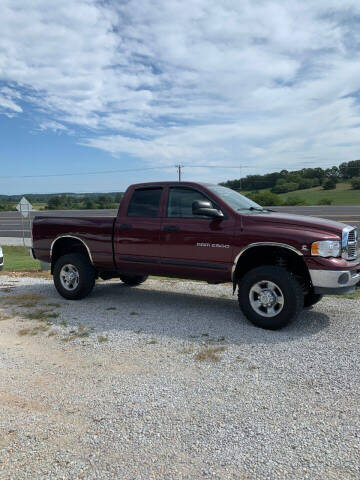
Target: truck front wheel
point(270, 297)
point(311, 299)
point(74, 276)
point(133, 280)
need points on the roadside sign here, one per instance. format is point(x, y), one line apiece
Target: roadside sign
point(24, 207)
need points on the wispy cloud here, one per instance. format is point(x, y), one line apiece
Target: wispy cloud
point(211, 80)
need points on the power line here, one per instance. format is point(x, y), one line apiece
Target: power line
point(83, 173)
point(179, 167)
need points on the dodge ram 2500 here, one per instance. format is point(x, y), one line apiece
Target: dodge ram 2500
point(279, 263)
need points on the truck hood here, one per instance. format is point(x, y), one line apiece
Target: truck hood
point(302, 221)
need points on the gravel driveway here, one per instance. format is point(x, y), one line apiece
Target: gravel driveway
point(169, 381)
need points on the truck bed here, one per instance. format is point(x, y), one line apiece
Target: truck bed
point(95, 232)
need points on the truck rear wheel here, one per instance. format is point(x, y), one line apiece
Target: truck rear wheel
point(133, 280)
point(270, 297)
point(74, 276)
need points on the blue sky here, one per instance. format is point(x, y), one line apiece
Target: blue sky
point(99, 86)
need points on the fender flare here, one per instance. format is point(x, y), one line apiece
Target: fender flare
point(76, 238)
point(260, 244)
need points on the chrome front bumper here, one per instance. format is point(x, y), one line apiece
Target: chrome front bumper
point(333, 282)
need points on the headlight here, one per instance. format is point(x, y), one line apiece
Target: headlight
point(326, 248)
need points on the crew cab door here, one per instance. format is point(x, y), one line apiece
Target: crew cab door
point(191, 242)
point(137, 231)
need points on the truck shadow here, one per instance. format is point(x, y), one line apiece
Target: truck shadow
point(190, 316)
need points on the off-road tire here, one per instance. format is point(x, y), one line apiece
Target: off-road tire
point(291, 290)
point(86, 276)
point(311, 299)
point(133, 280)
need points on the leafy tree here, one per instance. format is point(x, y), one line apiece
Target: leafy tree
point(104, 201)
point(355, 183)
point(265, 198)
point(285, 187)
point(329, 184)
point(118, 197)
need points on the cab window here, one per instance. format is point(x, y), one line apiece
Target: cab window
point(181, 200)
point(145, 203)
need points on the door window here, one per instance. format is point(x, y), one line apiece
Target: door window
point(181, 200)
point(145, 202)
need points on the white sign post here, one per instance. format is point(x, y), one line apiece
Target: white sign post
point(24, 207)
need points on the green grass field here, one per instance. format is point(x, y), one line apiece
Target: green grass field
point(18, 259)
point(341, 195)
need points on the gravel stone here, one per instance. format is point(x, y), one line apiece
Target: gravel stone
point(138, 405)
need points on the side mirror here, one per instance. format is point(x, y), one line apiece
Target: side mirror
point(202, 207)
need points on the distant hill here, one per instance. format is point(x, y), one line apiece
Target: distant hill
point(64, 201)
point(45, 197)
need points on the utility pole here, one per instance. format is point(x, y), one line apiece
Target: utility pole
point(240, 177)
point(179, 167)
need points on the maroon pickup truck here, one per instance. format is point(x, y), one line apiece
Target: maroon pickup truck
point(279, 263)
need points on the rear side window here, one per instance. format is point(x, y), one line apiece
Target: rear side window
point(181, 200)
point(145, 203)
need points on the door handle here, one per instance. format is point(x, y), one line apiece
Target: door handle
point(125, 225)
point(171, 228)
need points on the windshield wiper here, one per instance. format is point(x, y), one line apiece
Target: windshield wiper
point(257, 209)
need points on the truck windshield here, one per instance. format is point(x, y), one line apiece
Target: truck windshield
point(234, 199)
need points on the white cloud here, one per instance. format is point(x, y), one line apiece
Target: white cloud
point(8, 106)
point(261, 83)
point(53, 126)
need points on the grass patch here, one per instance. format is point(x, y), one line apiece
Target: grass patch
point(33, 330)
point(209, 353)
point(343, 194)
point(351, 296)
point(102, 339)
point(24, 299)
point(18, 259)
point(40, 315)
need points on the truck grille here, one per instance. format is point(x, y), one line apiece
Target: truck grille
point(350, 247)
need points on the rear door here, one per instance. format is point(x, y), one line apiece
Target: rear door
point(137, 231)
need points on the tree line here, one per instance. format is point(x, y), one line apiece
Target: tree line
point(68, 202)
point(285, 181)
point(64, 201)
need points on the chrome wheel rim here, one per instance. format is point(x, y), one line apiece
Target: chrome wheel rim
point(266, 298)
point(69, 277)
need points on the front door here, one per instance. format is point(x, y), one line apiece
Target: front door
point(194, 241)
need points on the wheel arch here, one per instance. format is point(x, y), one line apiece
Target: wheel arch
point(68, 244)
point(270, 253)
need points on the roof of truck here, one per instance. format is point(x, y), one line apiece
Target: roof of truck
point(174, 182)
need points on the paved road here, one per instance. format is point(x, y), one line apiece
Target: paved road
point(11, 226)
